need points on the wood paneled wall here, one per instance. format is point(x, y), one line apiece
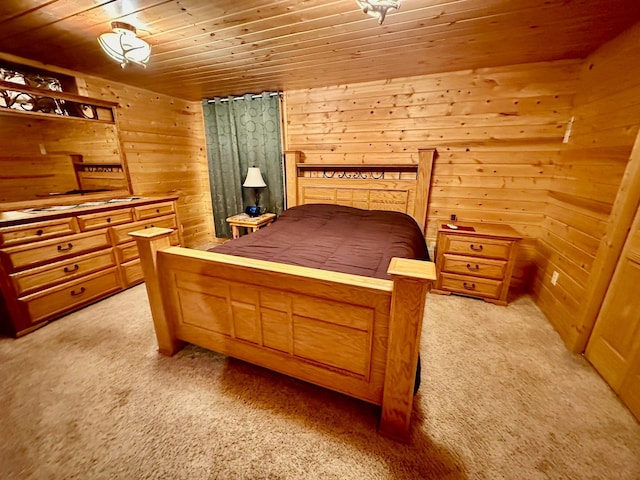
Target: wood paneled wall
point(36, 153)
point(497, 131)
point(31, 136)
point(586, 180)
point(29, 178)
point(164, 145)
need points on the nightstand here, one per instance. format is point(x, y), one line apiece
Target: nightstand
point(242, 220)
point(476, 260)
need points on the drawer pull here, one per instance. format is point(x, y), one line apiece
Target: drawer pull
point(469, 286)
point(79, 292)
point(472, 268)
point(475, 249)
point(69, 270)
point(62, 248)
point(108, 219)
point(157, 210)
point(40, 232)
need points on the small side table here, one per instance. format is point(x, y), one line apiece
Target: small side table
point(245, 221)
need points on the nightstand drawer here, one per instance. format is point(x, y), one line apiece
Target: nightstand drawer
point(46, 251)
point(477, 247)
point(37, 231)
point(156, 210)
point(474, 286)
point(49, 303)
point(45, 276)
point(476, 266)
point(105, 219)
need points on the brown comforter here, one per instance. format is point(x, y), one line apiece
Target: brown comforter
point(336, 238)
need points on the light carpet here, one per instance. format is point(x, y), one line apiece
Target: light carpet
point(89, 397)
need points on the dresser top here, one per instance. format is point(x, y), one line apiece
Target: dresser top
point(84, 205)
point(477, 229)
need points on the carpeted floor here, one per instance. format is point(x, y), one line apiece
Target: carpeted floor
point(88, 397)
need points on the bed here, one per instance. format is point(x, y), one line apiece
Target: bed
point(355, 333)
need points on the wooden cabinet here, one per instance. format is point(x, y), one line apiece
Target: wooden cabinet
point(53, 260)
point(476, 260)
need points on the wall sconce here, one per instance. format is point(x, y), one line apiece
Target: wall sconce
point(124, 46)
point(378, 8)
point(254, 180)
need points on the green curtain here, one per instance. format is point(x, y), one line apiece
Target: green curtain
point(242, 133)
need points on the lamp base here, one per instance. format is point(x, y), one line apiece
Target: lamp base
point(252, 210)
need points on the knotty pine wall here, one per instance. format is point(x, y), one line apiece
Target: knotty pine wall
point(586, 179)
point(24, 178)
point(35, 158)
point(164, 144)
point(498, 133)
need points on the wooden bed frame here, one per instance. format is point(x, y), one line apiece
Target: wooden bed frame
point(353, 334)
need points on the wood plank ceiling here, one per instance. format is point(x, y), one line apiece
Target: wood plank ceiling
point(206, 48)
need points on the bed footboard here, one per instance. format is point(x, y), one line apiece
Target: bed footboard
point(356, 335)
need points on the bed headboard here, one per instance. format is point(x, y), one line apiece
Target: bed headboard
point(402, 187)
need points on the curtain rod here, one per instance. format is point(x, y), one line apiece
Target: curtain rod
point(272, 94)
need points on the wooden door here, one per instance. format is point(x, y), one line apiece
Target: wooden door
point(614, 346)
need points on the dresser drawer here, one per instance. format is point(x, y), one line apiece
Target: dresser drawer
point(132, 272)
point(53, 301)
point(37, 231)
point(121, 234)
point(93, 221)
point(66, 270)
point(50, 250)
point(474, 286)
point(145, 212)
point(475, 266)
point(477, 247)
point(127, 252)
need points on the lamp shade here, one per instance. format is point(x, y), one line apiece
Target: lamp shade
point(254, 178)
point(124, 46)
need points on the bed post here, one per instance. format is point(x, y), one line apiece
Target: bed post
point(411, 281)
point(150, 242)
point(291, 159)
point(426, 156)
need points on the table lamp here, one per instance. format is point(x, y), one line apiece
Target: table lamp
point(254, 180)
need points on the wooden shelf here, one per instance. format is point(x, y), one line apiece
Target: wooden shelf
point(396, 167)
point(49, 116)
point(60, 95)
point(72, 105)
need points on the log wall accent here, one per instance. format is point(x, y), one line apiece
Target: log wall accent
point(580, 225)
point(498, 133)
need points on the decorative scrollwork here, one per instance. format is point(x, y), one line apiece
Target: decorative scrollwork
point(99, 168)
point(18, 100)
point(353, 174)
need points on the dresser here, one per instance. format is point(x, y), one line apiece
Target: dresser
point(476, 260)
point(60, 258)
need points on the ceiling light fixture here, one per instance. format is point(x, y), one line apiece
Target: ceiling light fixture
point(124, 46)
point(378, 8)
